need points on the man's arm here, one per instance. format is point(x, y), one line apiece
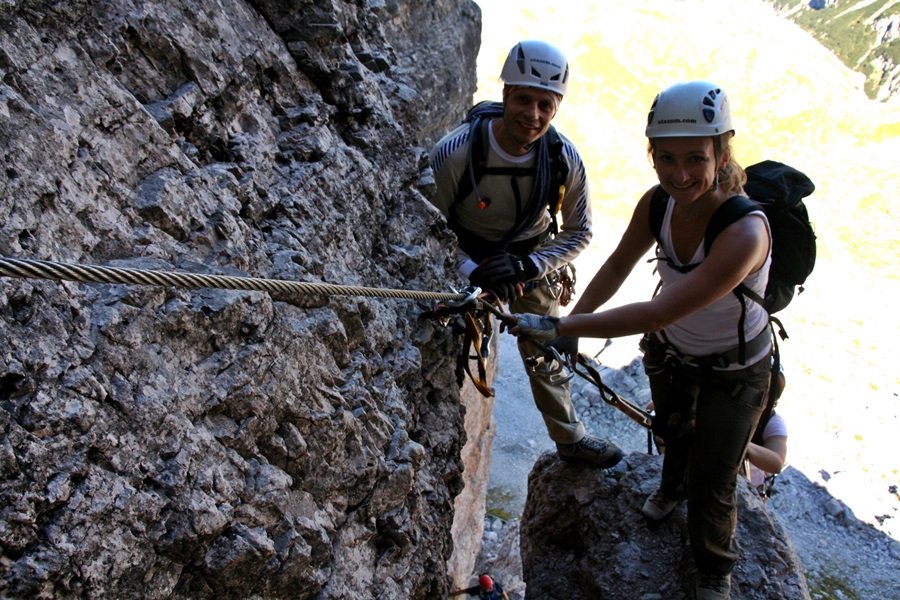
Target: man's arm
point(447, 165)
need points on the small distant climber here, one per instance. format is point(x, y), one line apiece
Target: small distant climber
point(487, 589)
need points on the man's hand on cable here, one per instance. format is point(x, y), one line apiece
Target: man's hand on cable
point(507, 267)
point(503, 273)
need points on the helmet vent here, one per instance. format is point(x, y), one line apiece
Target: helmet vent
point(710, 100)
point(520, 60)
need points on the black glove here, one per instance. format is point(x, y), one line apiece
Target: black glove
point(507, 268)
point(505, 291)
point(566, 344)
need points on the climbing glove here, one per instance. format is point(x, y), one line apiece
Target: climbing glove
point(500, 274)
point(539, 328)
point(507, 268)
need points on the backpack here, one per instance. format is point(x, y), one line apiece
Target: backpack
point(547, 192)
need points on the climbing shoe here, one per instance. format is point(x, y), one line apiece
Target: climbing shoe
point(591, 450)
point(713, 587)
point(657, 507)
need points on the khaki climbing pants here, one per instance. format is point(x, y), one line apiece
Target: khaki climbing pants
point(553, 401)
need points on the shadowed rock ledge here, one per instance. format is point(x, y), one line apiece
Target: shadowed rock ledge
point(583, 537)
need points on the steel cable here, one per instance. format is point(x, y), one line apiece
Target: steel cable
point(55, 271)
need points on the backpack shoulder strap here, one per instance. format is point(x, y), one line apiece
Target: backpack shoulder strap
point(557, 159)
point(559, 173)
point(730, 211)
point(658, 206)
point(478, 117)
point(476, 158)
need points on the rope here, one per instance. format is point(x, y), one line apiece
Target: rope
point(55, 271)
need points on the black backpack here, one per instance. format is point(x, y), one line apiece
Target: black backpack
point(547, 192)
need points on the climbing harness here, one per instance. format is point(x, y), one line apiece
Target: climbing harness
point(560, 284)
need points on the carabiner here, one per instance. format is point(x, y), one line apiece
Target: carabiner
point(470, 295)
point(549, 366)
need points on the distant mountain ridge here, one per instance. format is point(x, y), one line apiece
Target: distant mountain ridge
point(864, 34)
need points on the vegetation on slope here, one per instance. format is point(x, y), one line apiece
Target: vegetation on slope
point(849, 29)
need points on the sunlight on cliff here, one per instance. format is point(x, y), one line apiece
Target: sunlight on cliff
point(795, 102)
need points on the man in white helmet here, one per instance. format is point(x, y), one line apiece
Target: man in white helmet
point(501, 180)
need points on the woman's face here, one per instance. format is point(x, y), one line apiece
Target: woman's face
point(686, 166)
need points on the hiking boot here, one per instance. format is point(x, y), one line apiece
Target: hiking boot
point(592, 450)
point(712, 587)
point(657, 507)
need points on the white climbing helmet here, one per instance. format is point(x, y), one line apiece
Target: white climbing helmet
point(534, 63)
point(693, 109)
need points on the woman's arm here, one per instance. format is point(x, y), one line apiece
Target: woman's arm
point(769, 457)
point(740, 249)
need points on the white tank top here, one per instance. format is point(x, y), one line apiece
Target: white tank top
point(714, 328)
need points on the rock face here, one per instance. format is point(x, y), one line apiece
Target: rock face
point(162, 442)
point(583, 537)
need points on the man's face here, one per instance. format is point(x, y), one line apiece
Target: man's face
point(527, 113)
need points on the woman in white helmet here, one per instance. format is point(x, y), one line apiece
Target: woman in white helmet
point(706, 356)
